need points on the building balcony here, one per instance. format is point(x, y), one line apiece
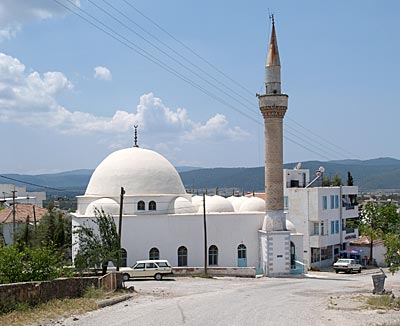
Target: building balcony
point(350, 211)
point(349, 234)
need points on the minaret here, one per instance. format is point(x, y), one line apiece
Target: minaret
point(275, 240)
point(273, 106)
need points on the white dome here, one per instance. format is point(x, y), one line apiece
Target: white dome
point(253, 204)
point(290, 227)
point(217, 204)
point(109, 206)
point(182, 205)
point(140, 171)
point(236, 202)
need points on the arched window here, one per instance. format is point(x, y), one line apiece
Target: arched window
point(152, 206)
point(213, 255)
point(141, 206)
point(123, 258)
point(182, 256)
point(242, 251)
point(154, 254)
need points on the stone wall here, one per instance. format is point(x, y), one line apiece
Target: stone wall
point(216, 271)
point(35, 292)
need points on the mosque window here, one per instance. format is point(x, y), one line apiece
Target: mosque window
point(154, 254)
point(213, 255)
point(124, 257)
point(182, 256)
point(152, 206)
point(141, 206)
point(241, 251)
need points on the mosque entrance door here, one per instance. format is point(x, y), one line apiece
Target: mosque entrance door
point(292, 255)
point(242, 255)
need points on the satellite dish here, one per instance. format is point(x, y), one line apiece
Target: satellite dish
point(298, 166)
point(321, 169)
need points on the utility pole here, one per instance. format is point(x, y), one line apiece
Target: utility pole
point(121, 206)
point(13, 212)
point(34, 216)
point(205, 233)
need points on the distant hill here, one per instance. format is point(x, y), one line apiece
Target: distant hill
point(369, 175)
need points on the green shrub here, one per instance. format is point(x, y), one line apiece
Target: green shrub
point(29, 264)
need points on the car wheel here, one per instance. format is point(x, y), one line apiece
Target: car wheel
point(158, 277)
point(359, 270)
point(125, 277)
point(337, 271)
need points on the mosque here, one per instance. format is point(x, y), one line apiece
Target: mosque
point(160, 220)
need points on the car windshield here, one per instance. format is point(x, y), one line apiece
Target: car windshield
point(344, 261)
point(140, 265)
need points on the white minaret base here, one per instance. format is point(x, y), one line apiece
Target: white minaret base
point(274, 247)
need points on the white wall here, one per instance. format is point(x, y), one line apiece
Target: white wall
point(169, 232)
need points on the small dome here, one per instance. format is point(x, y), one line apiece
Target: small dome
point(182, 205)
point(290, 227)
point(197, 202)
point(217, 204)
point(109, 206)
point(253, 204)
point(236, 202)
point(140, 171)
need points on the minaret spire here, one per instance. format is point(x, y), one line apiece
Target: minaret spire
point(273, 65)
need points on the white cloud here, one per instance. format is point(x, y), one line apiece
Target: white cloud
point(15, 13)
point(30, 99)
point(102, 73)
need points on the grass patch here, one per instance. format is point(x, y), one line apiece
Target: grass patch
point(385, 302)
point(50, 310)
point(93, 293)
point(23, 314)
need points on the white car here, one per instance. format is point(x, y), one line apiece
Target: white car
point(147, 268)
point(347, 266)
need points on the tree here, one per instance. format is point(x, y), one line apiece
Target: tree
point(98, 247)
point(392, 256)
point(382, 222)
point(337, 180)
point(370, 224)
point(350, 181)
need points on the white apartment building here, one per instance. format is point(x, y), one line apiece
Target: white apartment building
point(320, 213)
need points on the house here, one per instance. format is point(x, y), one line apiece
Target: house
point(363, 244)
point(320, 213)
point(24, 213)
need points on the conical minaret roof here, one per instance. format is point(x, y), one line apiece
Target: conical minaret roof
point(273, 53)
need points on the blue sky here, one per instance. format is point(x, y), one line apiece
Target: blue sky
point(69, 94)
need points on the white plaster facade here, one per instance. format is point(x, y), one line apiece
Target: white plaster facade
point(320, 213)
point(177, 219)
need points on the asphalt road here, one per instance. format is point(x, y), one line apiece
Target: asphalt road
point(239, 301)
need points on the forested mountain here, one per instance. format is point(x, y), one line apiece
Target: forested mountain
point(369, 175)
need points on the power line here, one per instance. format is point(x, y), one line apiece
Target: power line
point(32, 184)
point(121, 39)
point(219, 71)
point(188, 48)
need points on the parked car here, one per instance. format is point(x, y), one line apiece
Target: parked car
point(147, 268)
point(347, 266)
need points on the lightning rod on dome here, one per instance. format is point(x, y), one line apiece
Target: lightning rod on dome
point(135, 144)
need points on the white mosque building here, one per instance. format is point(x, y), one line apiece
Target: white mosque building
point(162, 221)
